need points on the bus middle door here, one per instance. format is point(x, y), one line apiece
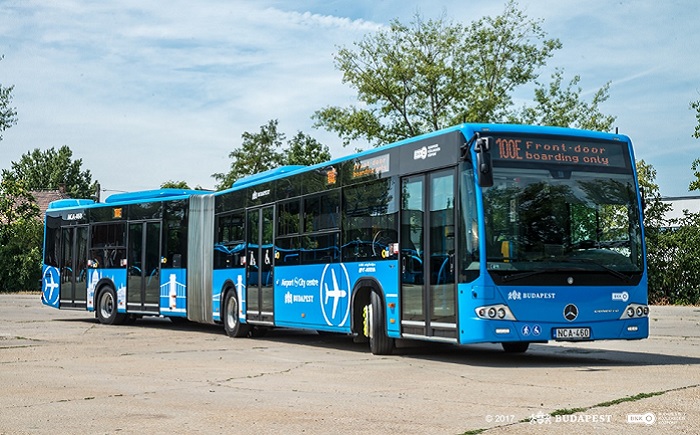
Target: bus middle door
point(259, 266)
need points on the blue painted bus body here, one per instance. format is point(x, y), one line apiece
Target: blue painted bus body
point(320, 296)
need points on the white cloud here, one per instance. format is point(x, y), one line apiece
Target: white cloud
point(180, 81)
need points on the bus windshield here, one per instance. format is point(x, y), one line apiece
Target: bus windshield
point(547, 220)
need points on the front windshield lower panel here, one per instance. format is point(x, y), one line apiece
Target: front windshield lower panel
point(549, 227)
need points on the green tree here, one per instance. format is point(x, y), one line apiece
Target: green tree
point(654, 208)
point(695, 184)
point(303, 149)
point(674, 262)
point(20, 237)
point(258, 153)
point(416, 78)
point(564, 107)
point(48, 169)
point(695, 105)
point(266, 150)
point(8, 114)
point(673, 256)
point(673, 245)
point(170, 184)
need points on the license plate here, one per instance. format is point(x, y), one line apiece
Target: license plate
point(572, 334)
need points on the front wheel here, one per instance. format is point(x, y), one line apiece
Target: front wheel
point(107, 312)
point(232, 322)
point(379, 342)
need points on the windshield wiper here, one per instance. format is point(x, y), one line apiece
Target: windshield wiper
point(610, 270)
point(522, 275)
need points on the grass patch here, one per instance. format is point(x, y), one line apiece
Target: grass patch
point(629, 399)
point(634, 398)
point(568, 411)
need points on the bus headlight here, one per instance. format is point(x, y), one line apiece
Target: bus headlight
point(494, 312)
point(635, 311)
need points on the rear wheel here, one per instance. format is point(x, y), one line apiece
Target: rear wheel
point(232, 322)
point(379, 342)
point(107, 308)
point(515, 346)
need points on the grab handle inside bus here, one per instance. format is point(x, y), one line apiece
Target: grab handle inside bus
point(484, 167)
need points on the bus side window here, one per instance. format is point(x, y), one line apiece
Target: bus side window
point(229, 244)
point(53, 242)
point(107, 246)
point(369, 222)
point(321, 211)
point(175, 218)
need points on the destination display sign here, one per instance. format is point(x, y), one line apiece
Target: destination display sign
point(374, 165)
point(564, 151)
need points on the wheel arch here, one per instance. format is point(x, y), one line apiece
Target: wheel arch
point(99, 287)
point(227, 286)
point(361, 298)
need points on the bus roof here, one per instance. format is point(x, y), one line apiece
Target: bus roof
point(468, 129)
point(155, 194)
point(270, 173)
point(283, 171)
point(69, 203)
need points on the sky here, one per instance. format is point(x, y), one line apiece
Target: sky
point(145, 92)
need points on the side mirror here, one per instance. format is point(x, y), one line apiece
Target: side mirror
point(484, 167)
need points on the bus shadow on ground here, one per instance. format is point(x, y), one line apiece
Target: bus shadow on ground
point(585, 355)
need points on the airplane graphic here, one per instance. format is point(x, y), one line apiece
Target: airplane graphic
point(51, 285)
point(336, 293)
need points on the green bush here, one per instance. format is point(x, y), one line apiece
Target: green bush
point(20, 238)
point(673, 258)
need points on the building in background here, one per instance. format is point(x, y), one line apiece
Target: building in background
point(679, 204)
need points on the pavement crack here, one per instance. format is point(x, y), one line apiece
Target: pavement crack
point(263, 374)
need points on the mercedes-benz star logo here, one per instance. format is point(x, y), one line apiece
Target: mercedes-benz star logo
point(570, 312)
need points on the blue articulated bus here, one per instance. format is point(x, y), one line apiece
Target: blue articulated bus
point(477, 233)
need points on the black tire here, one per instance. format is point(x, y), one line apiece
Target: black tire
point(257, 331)
point(515, 346)
point(232, 323)
point(379, 342)
point(106, 308)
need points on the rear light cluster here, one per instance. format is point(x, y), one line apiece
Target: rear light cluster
point(495, 312)
point(634, 311)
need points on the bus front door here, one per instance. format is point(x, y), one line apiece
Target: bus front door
point(73, 266)
point(259, 266)
point(143, 284)
point(428, 297)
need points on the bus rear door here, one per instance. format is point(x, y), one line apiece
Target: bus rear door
point(73, 266)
